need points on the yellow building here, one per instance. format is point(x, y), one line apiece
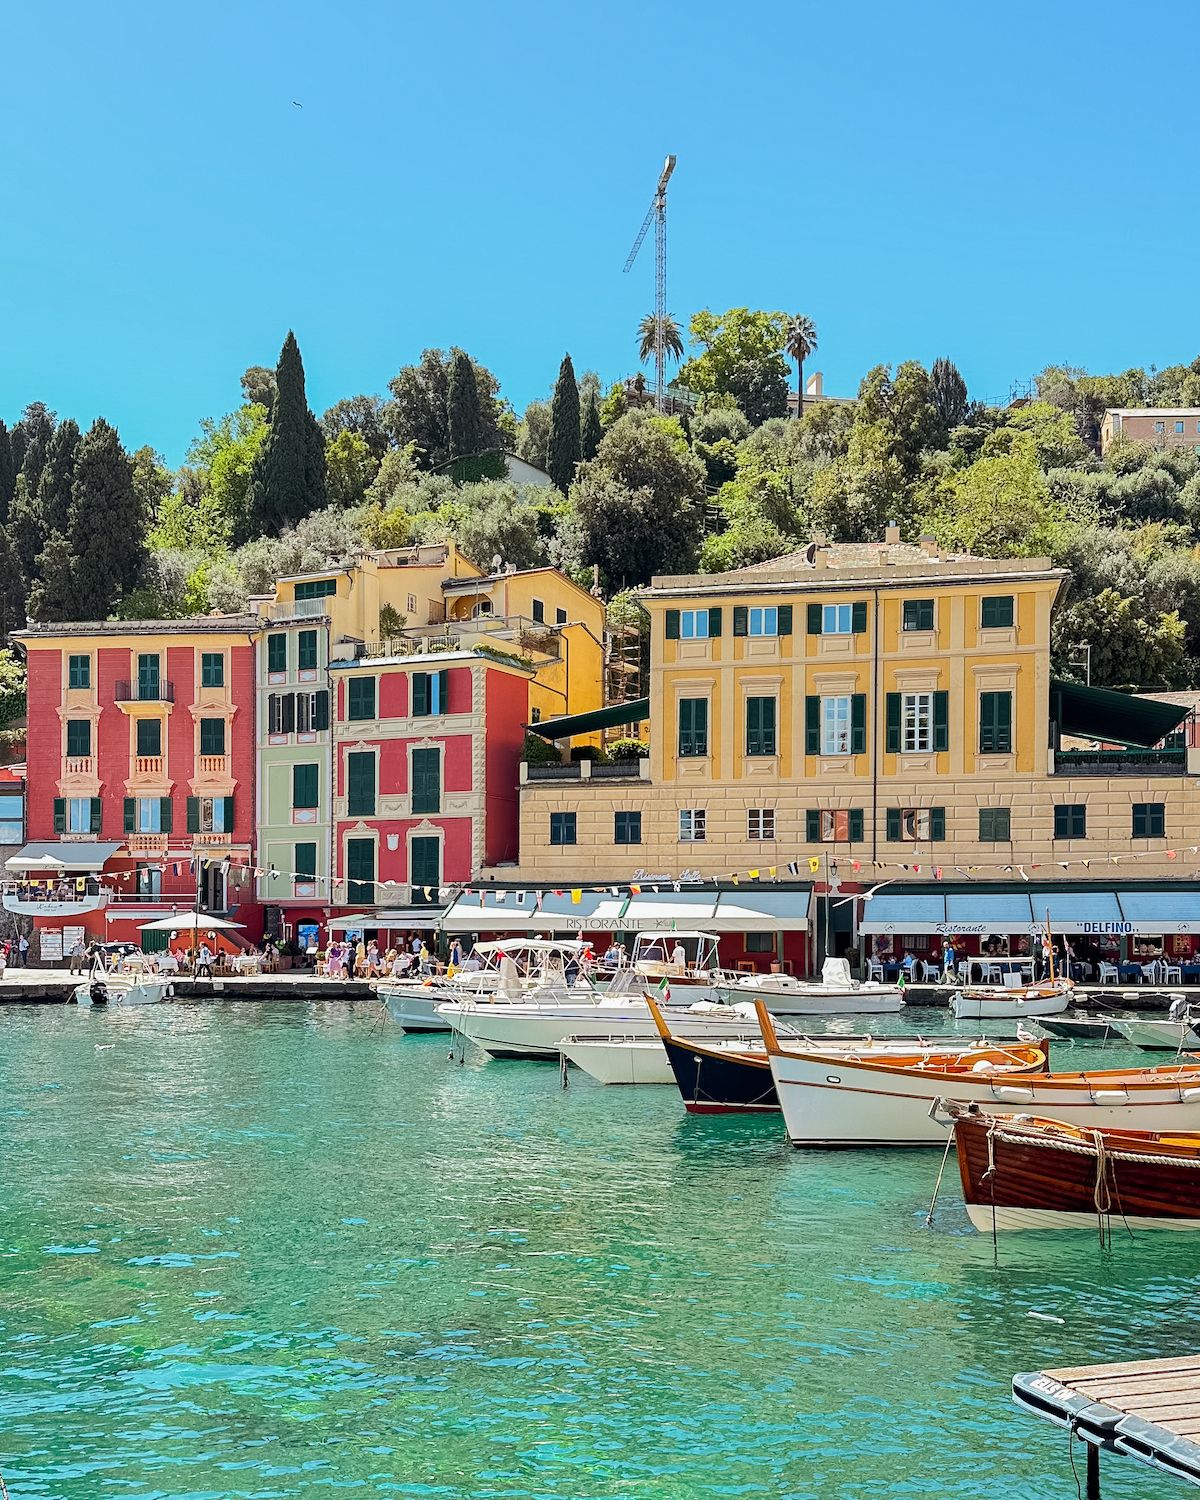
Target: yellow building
point(879, 703)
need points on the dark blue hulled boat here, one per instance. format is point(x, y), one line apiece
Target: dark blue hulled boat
point(717, 1080)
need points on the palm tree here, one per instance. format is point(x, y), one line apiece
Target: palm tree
point(800, 341)
point(672, 338)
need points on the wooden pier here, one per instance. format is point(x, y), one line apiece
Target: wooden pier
point(1148, 1410)
point(56, 986)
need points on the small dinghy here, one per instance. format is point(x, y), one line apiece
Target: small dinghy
point(1082, 1028)
point(100, 989)
point(1179, 1032)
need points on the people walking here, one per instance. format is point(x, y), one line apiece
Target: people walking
point(204, 961)
point(78, 953)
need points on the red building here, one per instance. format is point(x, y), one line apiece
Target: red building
point(140, 794)
point(426, 764)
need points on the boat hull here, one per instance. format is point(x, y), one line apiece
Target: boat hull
point(816, 1000)
point(830, 1101)
point(1159, 1036)
point(525, 1032)
point(980, 1006)
point(123, 992)
point(415, 1010)
point(1081, 1028)
point(1033, 1179)
point(623, 1060)
point(712, 1082)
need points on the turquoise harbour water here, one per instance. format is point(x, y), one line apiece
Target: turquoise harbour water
point(279, 1250)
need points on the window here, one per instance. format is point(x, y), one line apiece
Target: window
point(304, 865)
point(994, 825)
point(842, 825)
point(148, 678)
point(535, 716)
point(562, 828)
point(1070, 821)
point(360, 871)
point(360, 698)
point(1160, 427)
point(212, 736)
point(560, 617)
point(212, 669)
point(12, 818)
point(691, 825)
point(917, 722)
point(427, 781)
point(316, 588)
point(693, 624)
point(539, 611)
point(627, 828)
point(760, 823)
point(995, 723)
point(277, 652)
point(837, 619)
point(79, 815)
point(210, 814)
point(305, 789)
point(763, 621)
point(918, 614)
point(148, 815)
point(306, 647)
point(1179, 428)
point(835, 726)
point(79, 671)
point(693, 726)
point(758, 942)
point(430, 693)
point(915, 825)
point(412, 604)
point(149, 737)
point(149, 883)
point(995, 611)
point(360, 784)
point(426, 871)
point(79, 736)
point(1149, 820)
point(760, 726)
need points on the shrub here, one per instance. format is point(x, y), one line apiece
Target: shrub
point(539, 752)
point(628, 750)
point(588, 752)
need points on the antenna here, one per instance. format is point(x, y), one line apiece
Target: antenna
point(657, 213)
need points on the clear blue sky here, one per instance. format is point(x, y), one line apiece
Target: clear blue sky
point(1007, 185)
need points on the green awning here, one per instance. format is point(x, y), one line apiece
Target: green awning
point(599, 718)
point(1100, 714)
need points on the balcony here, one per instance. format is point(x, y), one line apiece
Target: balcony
point(296, 609)
point(149, 765)
point(161, 691)
point(586, 770)
point(146, 843)
point(511, 634)
point(211, 840)
point(80, 765)
point(213, 765)
point(1171, 762)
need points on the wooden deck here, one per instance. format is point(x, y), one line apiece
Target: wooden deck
point(1148, 1410)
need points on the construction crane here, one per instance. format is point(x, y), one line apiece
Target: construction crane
point(657, 213)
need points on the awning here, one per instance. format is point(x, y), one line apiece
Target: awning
point(762, 911)
point(73, 857)
point(1078, 911)
point(1160, 911)
point(570, 725)
point(918, 912)
point(1003, 913)
point(374, 921)
point(506, 911)
point(1100, 714)
point(649, 912)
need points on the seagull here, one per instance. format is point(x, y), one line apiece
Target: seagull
point(297, 104)
point(866, 895)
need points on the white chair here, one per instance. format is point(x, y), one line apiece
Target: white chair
point(930, 972)
point(1150, 972)
point(1109, 972)
point(1172, 973)
point(874, 969)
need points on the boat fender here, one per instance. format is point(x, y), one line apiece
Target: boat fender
point(983, 1066)
point(1110, 1096)
point(1189, 1096)
point(1025, 1095)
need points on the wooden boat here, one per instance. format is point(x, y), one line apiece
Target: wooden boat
point(992, 1003)
point(1022, 1172)
point(857, 1100)
point(726, 1078)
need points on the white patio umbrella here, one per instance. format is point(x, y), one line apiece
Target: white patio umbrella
point(188, 921)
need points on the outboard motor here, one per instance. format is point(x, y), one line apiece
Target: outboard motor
point(1175, 1011)
point(98, 991)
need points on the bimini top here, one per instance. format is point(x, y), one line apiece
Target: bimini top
point(570, 946)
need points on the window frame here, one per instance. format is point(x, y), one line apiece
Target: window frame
point(354, 703)
point(760, 824)
point(915, 612)
point(1002, 605)
point(830, 719)
point(277, 653)
point(835, 612)
point(996, 730)
point(208, 727)
point(992, 814)
point(1153, 818)
point(916, 723)
point(306, 766)
point(86, 822)
point(694, 616)
point(1070, 820)
point(768, 620)
point(146, 724)
point(74, 727)
point(212, 669)
point(563, 824)
point(762, 738)
point(693, 825)
point(627, 826)
point(304, 640)
point(692, 742)
point(79, 665)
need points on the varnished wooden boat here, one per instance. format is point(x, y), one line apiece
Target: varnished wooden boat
point(1029, 1172)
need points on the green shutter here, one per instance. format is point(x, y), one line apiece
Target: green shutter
point(814, 619)
point(307, 650)
point(228, 814)
point(426, 865)
point(784, 619)
point(212, 736)
point(937, 823)
point(426, 781)
point(893, 724)
point(858, 617)
point(443, 678)
point(360, 783)
point(672, 624)
point(193, 814)
point(1004, 721)
point(420, 693)
point(741, 619)
point(95, 813)
point(304, 860)
point(856, 825)
point(812, 825)
point(305, 792)
point(893, 825)
point(858, 724)
point(277, 653)
point(941, 721)
point(360, 870)
point(321, 709)
point(130, 815)
point(60, 815)
point(812, 725)
point(166, 816)
point(714, 622)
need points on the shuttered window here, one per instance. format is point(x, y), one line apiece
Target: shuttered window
point(79, 736)
point(693, 726)
point(305, 790)
point(1149, 820)
point(1070, 820)
point(360, 871)
point(360, 783)
point(360, 698)
point(212, 669)
point(995, 723)
point(995, 825)
point(426, 781)
point(760, 726)
point(995, 611)
point(277, 652)
point(306, 647)
point(627, 828)
point(304, 861)
point(148, 679)
point(79, 671)
point(562, 828)
point(918, 614)
point(430, 693)
point(212, 736)
point(425, 874)
point(149, 736)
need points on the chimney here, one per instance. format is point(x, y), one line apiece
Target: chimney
point(929, 546)
point(891, 534)
point(821, 557)
point(814, 386)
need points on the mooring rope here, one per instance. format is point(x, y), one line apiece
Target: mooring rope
point(937, 1187)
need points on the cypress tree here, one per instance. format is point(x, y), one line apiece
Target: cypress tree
point(54, 487)
point(54, 595)
point(8, 474)
point(31, 437)
point(25, 528)
point(464, 418)
point(12, 588)
point(288, 479)
point(563, 448)
point(105, 534)
point(591, 431)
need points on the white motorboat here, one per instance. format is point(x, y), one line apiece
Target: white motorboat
point(835, 993)
point(1050, 998)
point(854, 1100)
point(101, 989)
point(507, 971)
point(686, 960)
point(1177, 1033)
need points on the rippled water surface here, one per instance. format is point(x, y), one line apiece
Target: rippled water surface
point(278, 1250)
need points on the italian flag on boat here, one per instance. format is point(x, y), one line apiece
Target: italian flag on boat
point(664, 990)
